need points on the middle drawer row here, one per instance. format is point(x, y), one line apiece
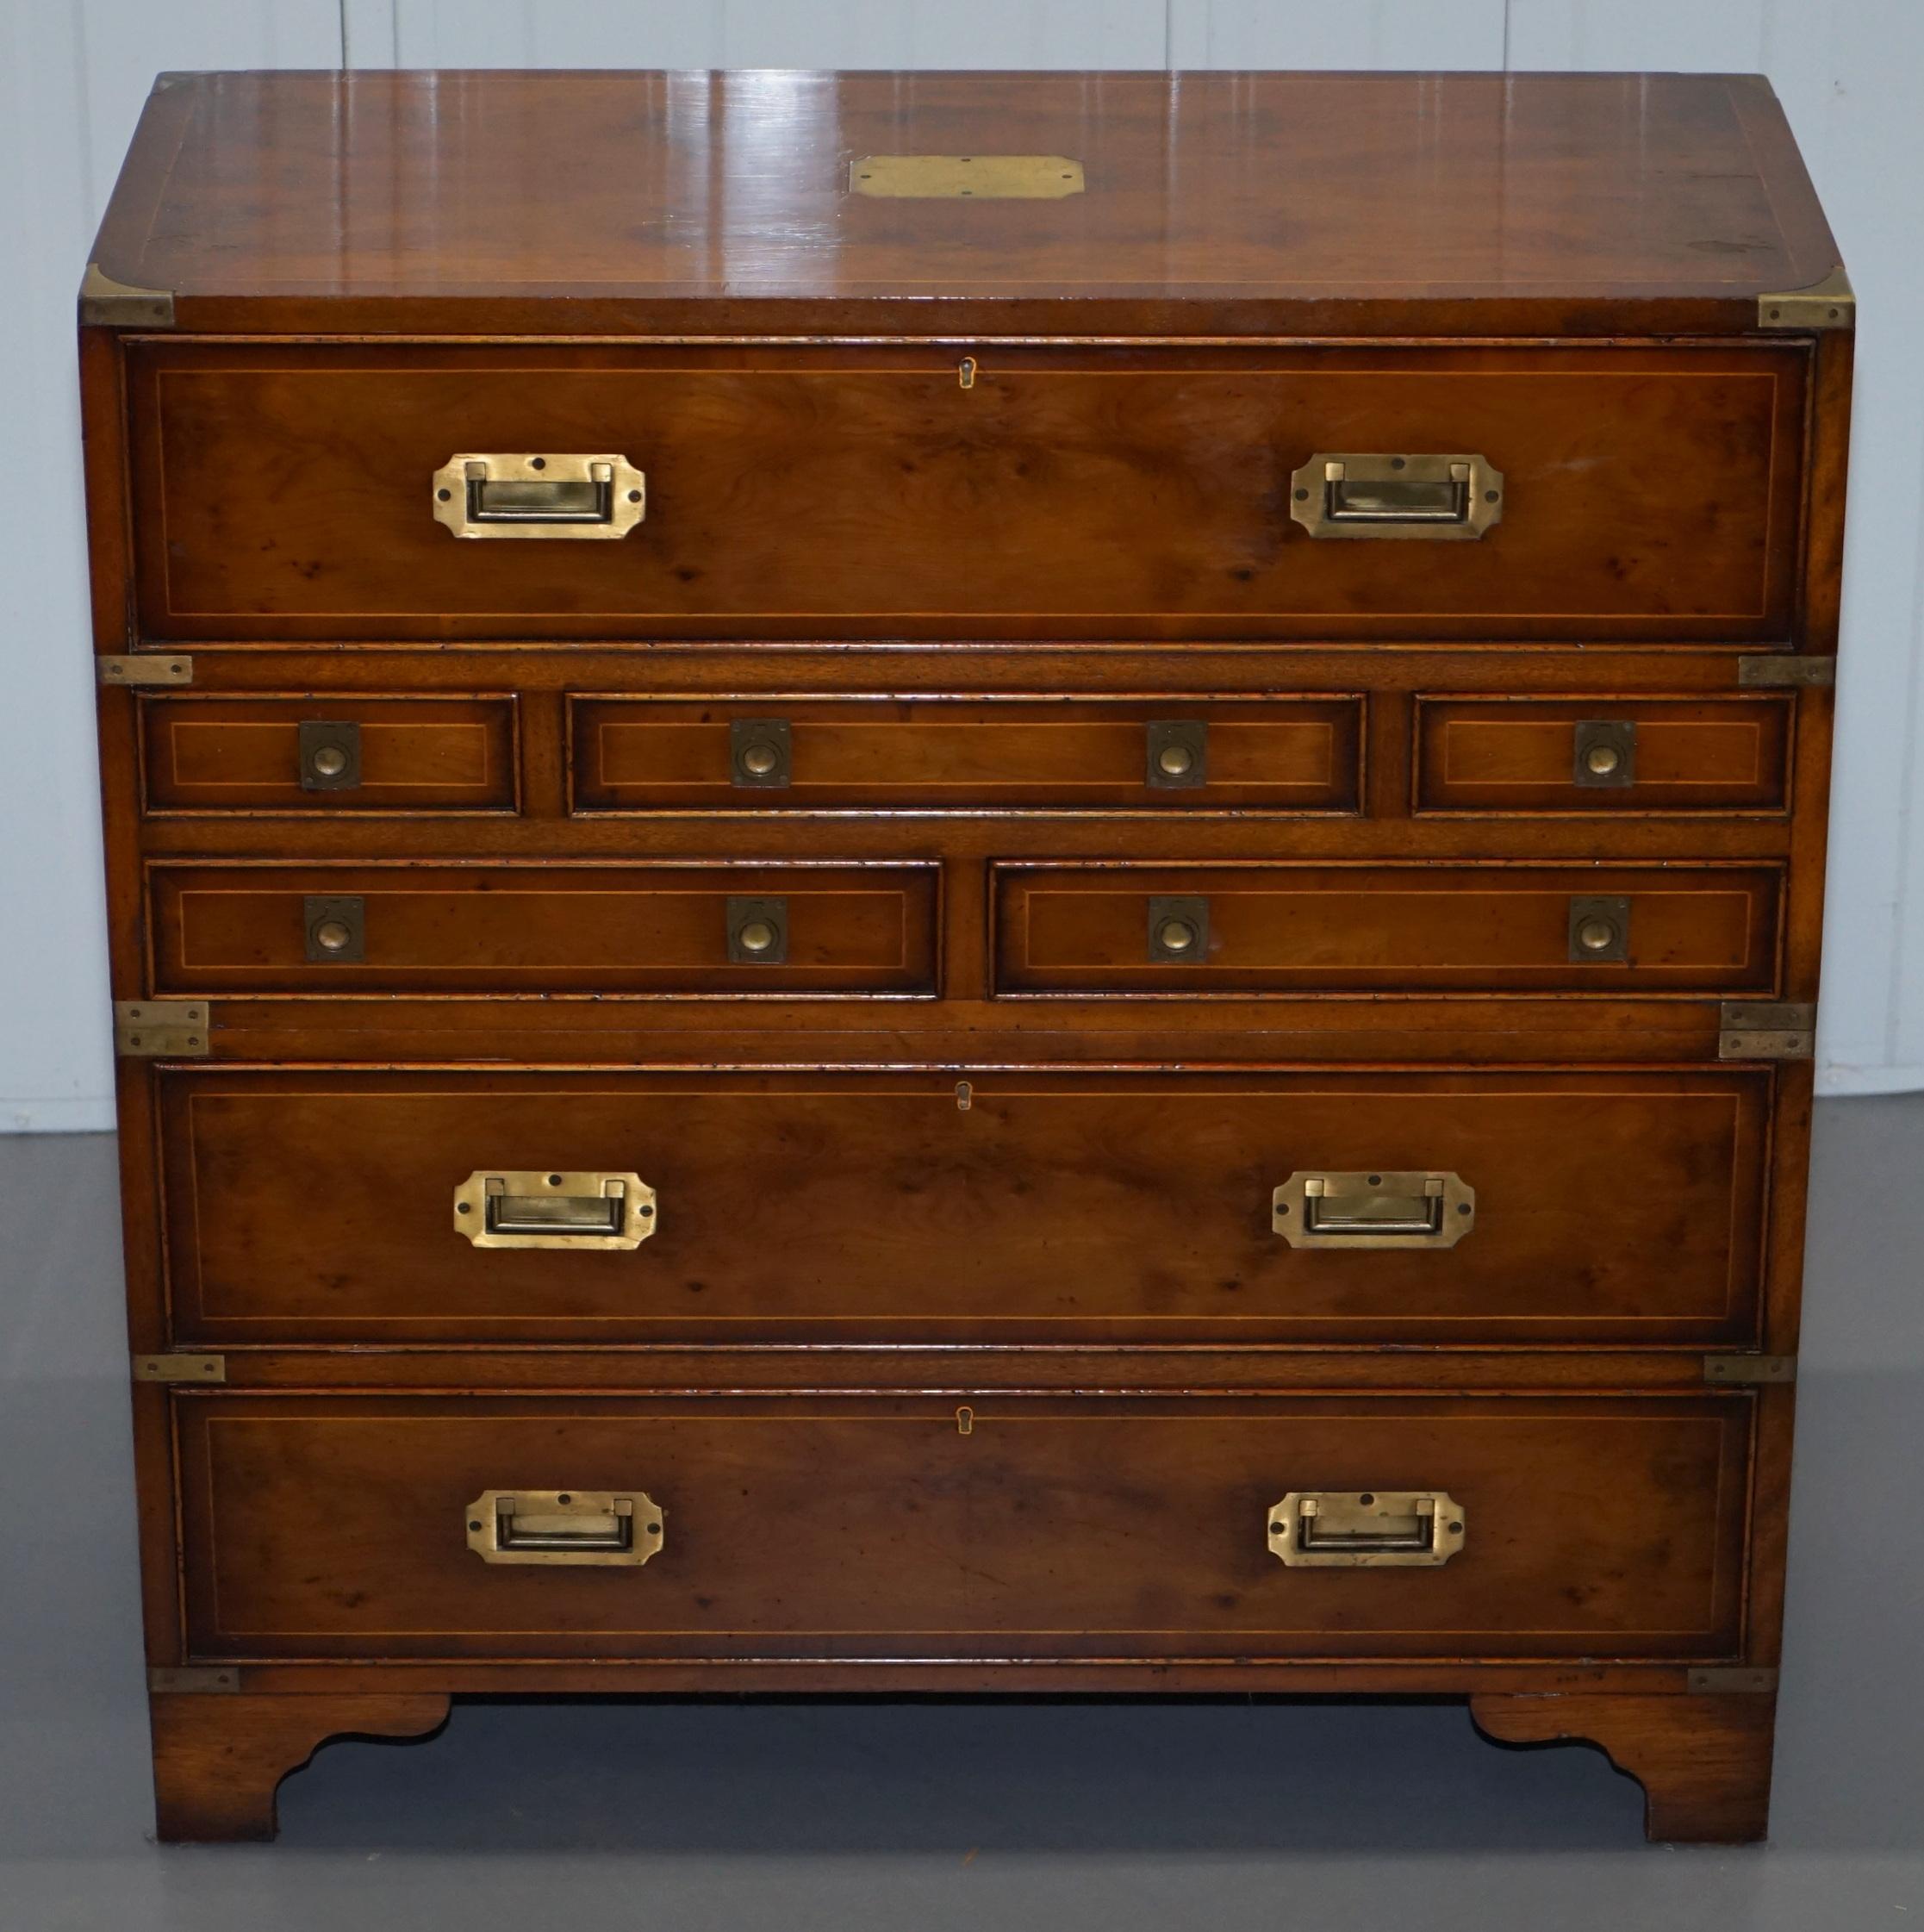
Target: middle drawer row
point(1243, 928)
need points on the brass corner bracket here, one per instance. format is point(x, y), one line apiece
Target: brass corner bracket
point(145, 667)
point(1829, 304)
point(106, 304)
point(1749, 1371)
point(192, 1680)
point(1759, 1030)
point(172, 1368)
point(161, 1029)
point(1741, 1679)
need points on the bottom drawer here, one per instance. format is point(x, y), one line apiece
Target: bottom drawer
point(906, 1528)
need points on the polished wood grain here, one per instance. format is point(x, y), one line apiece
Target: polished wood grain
point(1705, 1762)
point(1214, 203)
point(1099, 1208)
point(1504, 755)
point(1650, 493)
point(1295, 754)
point(880, 1526)
point(591, 930)
point(219, 1758)
point(1466, 929)
point(419, 754)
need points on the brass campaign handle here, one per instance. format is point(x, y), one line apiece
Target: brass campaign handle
point(523, 496)
point(1442, 498)
point(1383, 1528)
point(512, 1207)
point(594, 1526)
point(1424, 1209)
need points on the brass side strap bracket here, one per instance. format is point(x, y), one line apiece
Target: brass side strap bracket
point(1748, 1030)
point(1746, 1370)
point(188, 1681)
point(161, 1029)
point(1777, 670)
point(1741, 1678)
point(106, 304)
point(147, 668)
point(180, 1369)
point(1831, 303)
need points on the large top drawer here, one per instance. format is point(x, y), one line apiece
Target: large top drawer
point(1633, 494)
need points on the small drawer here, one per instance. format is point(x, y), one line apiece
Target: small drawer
point(1524, 1526)
point(1257, 928)
point(548, 927)
point(1178, 753)
point(1634, 755)
point(328, 754)
point(1612, 1207)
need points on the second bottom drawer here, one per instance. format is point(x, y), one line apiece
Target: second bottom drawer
point(866, 1526)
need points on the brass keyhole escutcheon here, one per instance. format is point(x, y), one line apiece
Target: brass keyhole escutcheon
point(1603, 759)
point(1175, 759)
point(760, 759)
point(1596, 935)
point(330, 761)
point(757, 936)
point(1175, 936)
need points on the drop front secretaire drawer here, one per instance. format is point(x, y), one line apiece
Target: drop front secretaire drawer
point(339, 491)
point(1255, 928)
point(1606, 1205)
point(871, 1526)
point(1178, 753)
point(550, 927)
point(328, 754)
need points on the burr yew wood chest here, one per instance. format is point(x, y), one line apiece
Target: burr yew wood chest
point(942, 883)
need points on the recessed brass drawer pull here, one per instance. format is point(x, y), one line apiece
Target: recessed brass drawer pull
point(563, 1526)
point(758, 932)
point(336, 929)
point(1380, 1529)
point(1438, 498)
point(579, 496)
point(1178, 754)
point(759, 751)
point(1385, 1210)
point(1600, 931)
point(1605, 754)
point(1178, 930)
point(536, 1209)
point(330, 756)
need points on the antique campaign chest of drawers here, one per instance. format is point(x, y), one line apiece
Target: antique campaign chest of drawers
point(965, 883)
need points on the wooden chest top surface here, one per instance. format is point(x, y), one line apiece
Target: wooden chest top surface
point(559, 202)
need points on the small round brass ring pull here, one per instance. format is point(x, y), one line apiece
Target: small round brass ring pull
point(757, 936)
point(759, 758)
point(330, 761)
point(1175, 935)
point(1175, 759)
point(1596, 935)
point(332, 936)
point(1603, 759)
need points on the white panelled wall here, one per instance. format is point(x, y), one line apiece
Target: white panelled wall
point(74, 74)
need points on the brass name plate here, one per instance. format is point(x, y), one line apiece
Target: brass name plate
point(932, 178)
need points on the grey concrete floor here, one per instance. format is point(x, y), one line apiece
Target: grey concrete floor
point(743, 1816)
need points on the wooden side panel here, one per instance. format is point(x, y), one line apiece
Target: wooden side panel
point(1501, 755)
point(242, 754)
point(588, 929)
point(937, 753)
point(822, 1527)
point(1611, 1206)
point(1650, 493)
point(1459, 929)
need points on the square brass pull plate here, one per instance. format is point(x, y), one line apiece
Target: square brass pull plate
point(759, 751)
point(758, 932)
point(1178, 754)
point(1600, 931)
point(1178, 932)
point(1426, 1209)
point(336, 930)
point(518, 494)
point(1605, 754)
point(330, 756)
point(1440, 498)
